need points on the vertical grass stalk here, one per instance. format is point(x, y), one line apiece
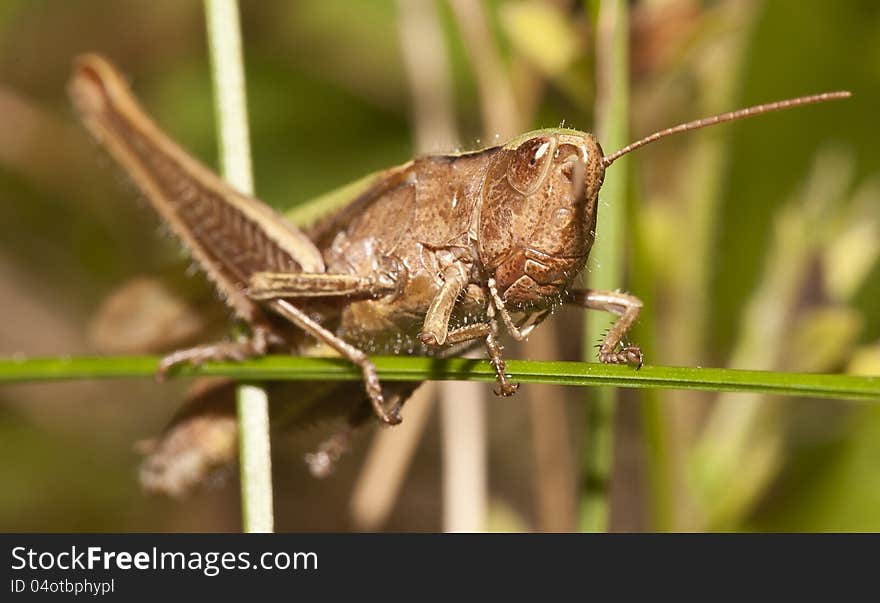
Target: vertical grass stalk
point(612, 111)
point(224, 41)
point(683, 333)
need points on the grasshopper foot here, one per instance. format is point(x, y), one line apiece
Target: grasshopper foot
point(629, 354)
point(374, 391)
point(505, 388)
point(322, 462)
point(227, 350)
point(391, 417)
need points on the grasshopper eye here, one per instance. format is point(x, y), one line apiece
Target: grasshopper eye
point(573, 170)
point(530, 164)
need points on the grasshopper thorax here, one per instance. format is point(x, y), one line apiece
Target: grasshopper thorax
point(537, 214)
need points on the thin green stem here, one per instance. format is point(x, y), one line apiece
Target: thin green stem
point(233, 138)
point(224, 39)
point(612, 118)
point(394, 368)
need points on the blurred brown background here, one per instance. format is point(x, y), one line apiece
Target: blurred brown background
point(753, 246)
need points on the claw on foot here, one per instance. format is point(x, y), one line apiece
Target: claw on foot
point(506, 389)
point(392, 417)
point(377, 400)
point(630, 354)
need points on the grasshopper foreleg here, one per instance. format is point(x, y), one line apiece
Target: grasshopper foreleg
point(486, 330)
point(505, 386)
point(436, 328)
point(627, 307)
point(519, 333)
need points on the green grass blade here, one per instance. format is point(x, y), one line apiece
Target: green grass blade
point(224, 45)
point(393, 368)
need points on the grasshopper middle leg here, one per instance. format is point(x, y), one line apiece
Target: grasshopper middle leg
point(348, 351)
point(278, 285)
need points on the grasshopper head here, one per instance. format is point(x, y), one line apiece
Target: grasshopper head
point(538, 214)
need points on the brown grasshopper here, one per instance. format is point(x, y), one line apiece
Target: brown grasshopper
point(439, 252)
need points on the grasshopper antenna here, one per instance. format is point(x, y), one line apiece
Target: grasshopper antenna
point(731, 116)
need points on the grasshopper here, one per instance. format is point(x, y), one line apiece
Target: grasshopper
point(440, 253)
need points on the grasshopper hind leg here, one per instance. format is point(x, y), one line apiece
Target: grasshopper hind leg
point(322, 462)
point(257, 344)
